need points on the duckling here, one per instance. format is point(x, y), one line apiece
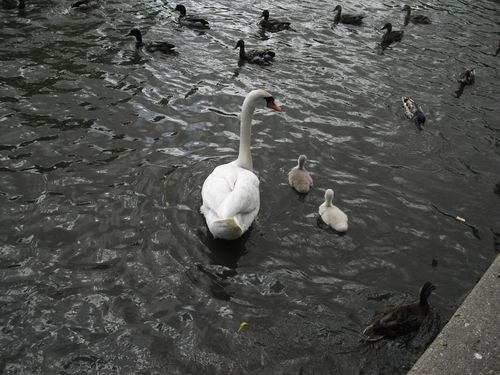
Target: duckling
point(261, 57)
point(273, 25)
point(12, 4)
point(350, 19)
point(417, 18)
point(390, 36)
point(192, 22)
point(332, 215)
point(151, 46)
point(468, 77)
point(299, 178)
point(413, 111)
point(85, 4)
point(401, 319)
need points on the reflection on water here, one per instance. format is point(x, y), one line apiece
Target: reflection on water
point(106, 262)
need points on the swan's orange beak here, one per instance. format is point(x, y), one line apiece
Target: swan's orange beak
point(273, 105)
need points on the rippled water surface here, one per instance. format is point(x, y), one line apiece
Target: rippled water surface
point(107, 265)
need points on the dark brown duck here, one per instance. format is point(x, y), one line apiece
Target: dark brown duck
point(401, 319)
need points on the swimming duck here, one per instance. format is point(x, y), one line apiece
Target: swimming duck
point(12, 4)
point(273, 25)
point(261, 57)
point(230, 194)
point(151, 46)
point(468, 77)
point(85, 4)
point(417, 18)
point(413, 111)
point(299, 178)
point(390, 36)
point(347, 18)
point(332, 215)
point(193, 22)
point(401, 319)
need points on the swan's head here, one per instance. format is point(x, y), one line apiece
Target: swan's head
point(255, 95)
point(406, 8)
point(387, 26)
point(136, 33)
point(265, 14)
point(329, 196)
point(420, 119)
point(302, 161)
point(338, 7)
point(180, 8)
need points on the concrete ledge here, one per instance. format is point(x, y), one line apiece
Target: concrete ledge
point(470, 342)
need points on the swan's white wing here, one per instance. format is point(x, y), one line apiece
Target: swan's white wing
point(231, 191)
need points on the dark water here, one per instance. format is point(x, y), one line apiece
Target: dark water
point(106, 263)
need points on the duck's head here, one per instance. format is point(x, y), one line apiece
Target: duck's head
point(329, 196)
point(265, 14)
point(406, 8)
point(302, 161)
point(180, 8)
point(240, 44)
point(469, 74)
point(420, 120)
point(137, 33)
point(387, 26)
point(338, 7)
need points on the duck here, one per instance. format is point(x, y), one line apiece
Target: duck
point(413, 111)
point(332, 215)
point(12, 4)
point(261, 57)
point(299, 178)
point(390, 36)
point(151, 46)
point(230, 194)
point(192, 22)
point(350, 19)
point(417, 18)
point(468, 77)
point(273, 25)
point(401, 319)
point(85, 4)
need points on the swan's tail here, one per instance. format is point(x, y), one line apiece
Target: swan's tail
point(227, 229)
point(342, 227)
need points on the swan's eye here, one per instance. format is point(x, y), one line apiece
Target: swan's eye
point(269, 100)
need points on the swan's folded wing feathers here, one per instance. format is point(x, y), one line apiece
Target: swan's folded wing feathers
point(243, 199)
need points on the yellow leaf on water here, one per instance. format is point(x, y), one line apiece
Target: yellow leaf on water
point(460, 219)
point(242, 325)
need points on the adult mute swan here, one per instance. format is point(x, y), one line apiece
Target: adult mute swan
point(231, 192)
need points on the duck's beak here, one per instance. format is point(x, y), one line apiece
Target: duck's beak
point(274, 106)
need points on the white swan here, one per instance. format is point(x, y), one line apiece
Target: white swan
point(332, 215)
point(231, 192)
point(299, 178)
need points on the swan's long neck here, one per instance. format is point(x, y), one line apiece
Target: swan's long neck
point(245, 157)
